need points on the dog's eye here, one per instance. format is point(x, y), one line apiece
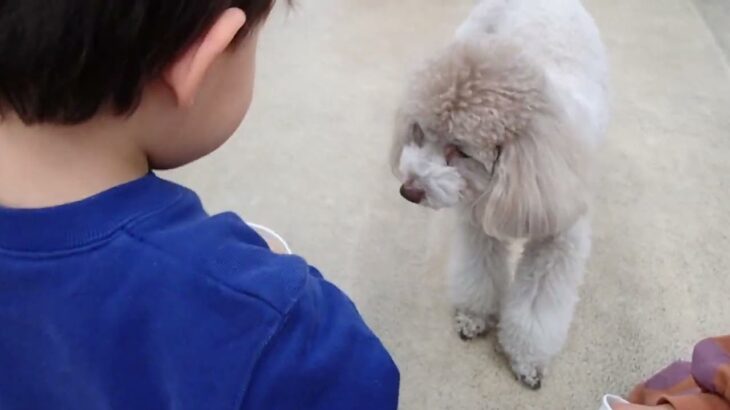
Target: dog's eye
point(497, 156)
point(419, 137)
point(452, 153)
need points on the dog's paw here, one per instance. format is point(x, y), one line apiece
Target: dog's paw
point(527, 374)
point(470, 326)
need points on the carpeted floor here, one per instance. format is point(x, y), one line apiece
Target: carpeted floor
point(311, 161)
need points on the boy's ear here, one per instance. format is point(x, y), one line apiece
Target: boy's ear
point(185, 75)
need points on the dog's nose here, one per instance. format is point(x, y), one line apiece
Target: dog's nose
point(412, 193)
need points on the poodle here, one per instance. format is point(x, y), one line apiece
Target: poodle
point(502, 126)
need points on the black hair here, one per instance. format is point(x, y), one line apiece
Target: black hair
point(61, 61)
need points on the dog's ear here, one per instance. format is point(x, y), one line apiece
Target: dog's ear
point(540, 182)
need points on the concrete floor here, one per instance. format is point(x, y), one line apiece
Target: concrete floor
point(311, 161)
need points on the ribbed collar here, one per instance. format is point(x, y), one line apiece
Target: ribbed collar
point(83, 223)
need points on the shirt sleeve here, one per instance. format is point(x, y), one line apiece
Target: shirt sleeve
point(323, 357)
point(703, 384)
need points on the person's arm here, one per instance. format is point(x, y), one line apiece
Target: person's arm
point(703, 384)
point(323, 357)
point(711, 368)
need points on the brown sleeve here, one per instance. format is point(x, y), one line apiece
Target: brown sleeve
point(674, 380)
point(703, 384)
point(711, 366)
point(722, 382)
point(699, 401)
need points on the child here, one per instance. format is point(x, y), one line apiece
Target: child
point(117, 291)
point(702, 384)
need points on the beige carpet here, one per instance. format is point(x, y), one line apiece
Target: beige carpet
point(311, 162)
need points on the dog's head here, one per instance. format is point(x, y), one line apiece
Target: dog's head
point(481, 128)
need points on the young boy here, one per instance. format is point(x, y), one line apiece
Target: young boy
point(117, 291)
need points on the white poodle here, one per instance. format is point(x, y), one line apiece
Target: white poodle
point(502, 126)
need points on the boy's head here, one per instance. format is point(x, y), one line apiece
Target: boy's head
point(179, 71)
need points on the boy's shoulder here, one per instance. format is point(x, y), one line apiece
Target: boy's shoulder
point(309, 336)
point(158, 300)
point(223, 251)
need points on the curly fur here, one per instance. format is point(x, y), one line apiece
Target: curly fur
point(522, 93)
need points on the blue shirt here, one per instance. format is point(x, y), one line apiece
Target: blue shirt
point(137, 299)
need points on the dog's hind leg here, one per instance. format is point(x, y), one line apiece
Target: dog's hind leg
point(479, 275)
point(537, 312)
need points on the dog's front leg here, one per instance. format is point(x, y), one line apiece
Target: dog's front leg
point(539, 307)
point(478, 277)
